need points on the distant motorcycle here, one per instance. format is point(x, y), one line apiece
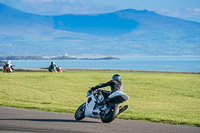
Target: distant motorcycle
point(94, 108)
point(8, 70)
point(8, 67)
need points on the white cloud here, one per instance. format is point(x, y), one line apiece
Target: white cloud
point(58, 7)
point(197, 10)
point(192, 14)
point(43, 1)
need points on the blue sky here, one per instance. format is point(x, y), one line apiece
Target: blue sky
point(185, 9)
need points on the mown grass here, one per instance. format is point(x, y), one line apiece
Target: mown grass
point(158, 97)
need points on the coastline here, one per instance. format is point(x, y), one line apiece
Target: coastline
point(61, 57)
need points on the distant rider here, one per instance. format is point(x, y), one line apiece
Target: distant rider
point(115, 84)
point(8, 67)
point(52, 67)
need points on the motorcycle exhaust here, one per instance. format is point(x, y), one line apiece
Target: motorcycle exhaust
point(122, 109)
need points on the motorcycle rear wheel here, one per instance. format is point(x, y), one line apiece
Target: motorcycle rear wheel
point(80, 112)
point(111, 115)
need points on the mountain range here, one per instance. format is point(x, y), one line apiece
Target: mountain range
point(122, 33)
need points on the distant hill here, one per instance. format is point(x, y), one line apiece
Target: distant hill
point(126, 32)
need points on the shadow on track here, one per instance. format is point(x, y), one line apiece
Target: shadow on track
point(52, 120)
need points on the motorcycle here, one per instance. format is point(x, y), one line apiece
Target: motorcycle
point(97, 106)
point(8, 70)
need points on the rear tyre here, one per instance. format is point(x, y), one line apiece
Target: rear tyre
point(111, 115)
point(80, 112)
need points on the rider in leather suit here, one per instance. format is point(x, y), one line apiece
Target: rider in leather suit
point(115, 84)
point(52, 67)
point(8, 67)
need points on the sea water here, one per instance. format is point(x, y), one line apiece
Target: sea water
point(176, 64)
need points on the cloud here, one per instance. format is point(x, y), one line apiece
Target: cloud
point(59, 7)
point(197, 10)
point(192, 14)
point(45, 1)
point(47, 7)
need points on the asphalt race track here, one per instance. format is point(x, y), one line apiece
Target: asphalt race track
point(29, 121)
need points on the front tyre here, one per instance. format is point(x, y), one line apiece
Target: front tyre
point(111, 115)
point(80, 112)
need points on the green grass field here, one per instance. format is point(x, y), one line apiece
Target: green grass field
point(158, 97)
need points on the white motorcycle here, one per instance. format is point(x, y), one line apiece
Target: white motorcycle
point(106, 109)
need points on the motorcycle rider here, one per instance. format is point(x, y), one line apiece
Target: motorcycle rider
point(115, 84)
point(8, 67)
point(52, 67)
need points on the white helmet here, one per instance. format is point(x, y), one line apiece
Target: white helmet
point(8, 62)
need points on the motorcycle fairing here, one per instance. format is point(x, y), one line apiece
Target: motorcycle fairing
point(89, 111)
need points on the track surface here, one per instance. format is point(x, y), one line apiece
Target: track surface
point(28, 121)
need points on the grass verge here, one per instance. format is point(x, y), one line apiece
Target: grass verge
point(158, 97)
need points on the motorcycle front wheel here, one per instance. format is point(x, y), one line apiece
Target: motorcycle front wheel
point(80, 112)
point(111, 115)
